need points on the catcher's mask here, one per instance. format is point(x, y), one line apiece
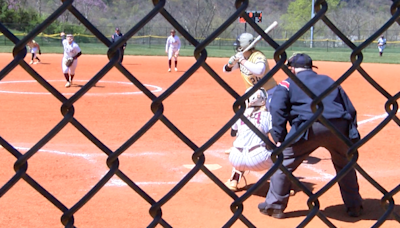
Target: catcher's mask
point(257, 99)
point(243, 41)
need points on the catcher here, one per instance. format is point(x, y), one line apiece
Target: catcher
point(249, 152)
point(70, 59)
point(34, 48)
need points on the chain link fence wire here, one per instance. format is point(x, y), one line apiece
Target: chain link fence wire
point(198, 157)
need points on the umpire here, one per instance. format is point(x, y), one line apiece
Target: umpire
point(114, 38)
point(291, 104)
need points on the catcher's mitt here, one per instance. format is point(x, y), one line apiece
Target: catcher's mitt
point(69, 62)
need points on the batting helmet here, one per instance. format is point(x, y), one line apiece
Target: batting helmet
point(244, 40)
point(257, 99)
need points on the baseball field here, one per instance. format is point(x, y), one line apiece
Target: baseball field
point(69, 164)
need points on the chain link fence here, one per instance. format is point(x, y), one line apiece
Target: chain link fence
point(198, 156)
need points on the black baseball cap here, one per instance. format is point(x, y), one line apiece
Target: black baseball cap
point(300, 60)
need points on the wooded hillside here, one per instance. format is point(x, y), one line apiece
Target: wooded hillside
point(203, 16)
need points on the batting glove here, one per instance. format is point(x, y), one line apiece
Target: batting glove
point(239, 56)
point(232, 60)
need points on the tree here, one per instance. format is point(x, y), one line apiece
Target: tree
point(299, 13)
point(88, 7)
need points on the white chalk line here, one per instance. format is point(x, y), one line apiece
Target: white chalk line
point(115, 181)
point(323, 176)
point(156, 88)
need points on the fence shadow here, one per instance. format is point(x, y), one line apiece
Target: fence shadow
point(262, 191)
point(372, 211)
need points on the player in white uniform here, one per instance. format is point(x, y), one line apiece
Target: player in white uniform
point(35, 49)
point(71, 50)
point(172, 47)
point(249, 151)
point(381, 45)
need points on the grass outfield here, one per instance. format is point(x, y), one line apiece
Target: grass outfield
point(370, 55)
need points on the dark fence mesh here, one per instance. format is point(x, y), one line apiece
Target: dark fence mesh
point(198, 157)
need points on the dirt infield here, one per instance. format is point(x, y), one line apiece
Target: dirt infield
point(69, 165)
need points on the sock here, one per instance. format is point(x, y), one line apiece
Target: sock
point(72, 76)
point(169, 63)
point(33, 55)
point(236, 177)
point(176, 63)
point(66, 77)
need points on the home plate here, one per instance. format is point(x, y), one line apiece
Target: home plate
point(208, 166)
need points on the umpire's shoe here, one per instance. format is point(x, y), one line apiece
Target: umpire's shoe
point(276, 213)
point(355, 211)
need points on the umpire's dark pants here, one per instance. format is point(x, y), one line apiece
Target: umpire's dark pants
point(318, 136)
point(122, 54)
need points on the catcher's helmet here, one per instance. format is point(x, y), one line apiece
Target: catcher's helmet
point(244, 40)
point(259, 98)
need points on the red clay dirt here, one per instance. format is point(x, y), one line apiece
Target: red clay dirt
point(69, 165)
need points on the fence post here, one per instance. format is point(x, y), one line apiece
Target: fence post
point(327, 44)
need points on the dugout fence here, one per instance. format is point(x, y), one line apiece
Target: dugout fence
point(198, 156)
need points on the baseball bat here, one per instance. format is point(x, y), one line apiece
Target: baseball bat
point(267, 30)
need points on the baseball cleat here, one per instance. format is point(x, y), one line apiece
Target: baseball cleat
point(68, 84)
point(176, 69)
point(169, 70)
point(31, 62)
point(232, 185)
point(228, 151)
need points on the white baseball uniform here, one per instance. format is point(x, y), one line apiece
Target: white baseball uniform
point(34, 48)
point(381, 44)
point(249, 151)
point(172, 46)
point(70, 50)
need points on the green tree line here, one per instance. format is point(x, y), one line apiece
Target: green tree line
point(200, 17)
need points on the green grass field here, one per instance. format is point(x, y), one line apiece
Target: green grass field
point(370, 55)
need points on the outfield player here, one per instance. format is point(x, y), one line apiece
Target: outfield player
point(35, 49)
point(71, 50)
point(172, 47)
point(381, 45)
point(249, 152)
point(114, 38)
point(292, 105)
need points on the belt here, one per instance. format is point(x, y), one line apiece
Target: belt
point(251, 149)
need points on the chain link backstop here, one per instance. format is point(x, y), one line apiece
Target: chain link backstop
point(198, 157)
